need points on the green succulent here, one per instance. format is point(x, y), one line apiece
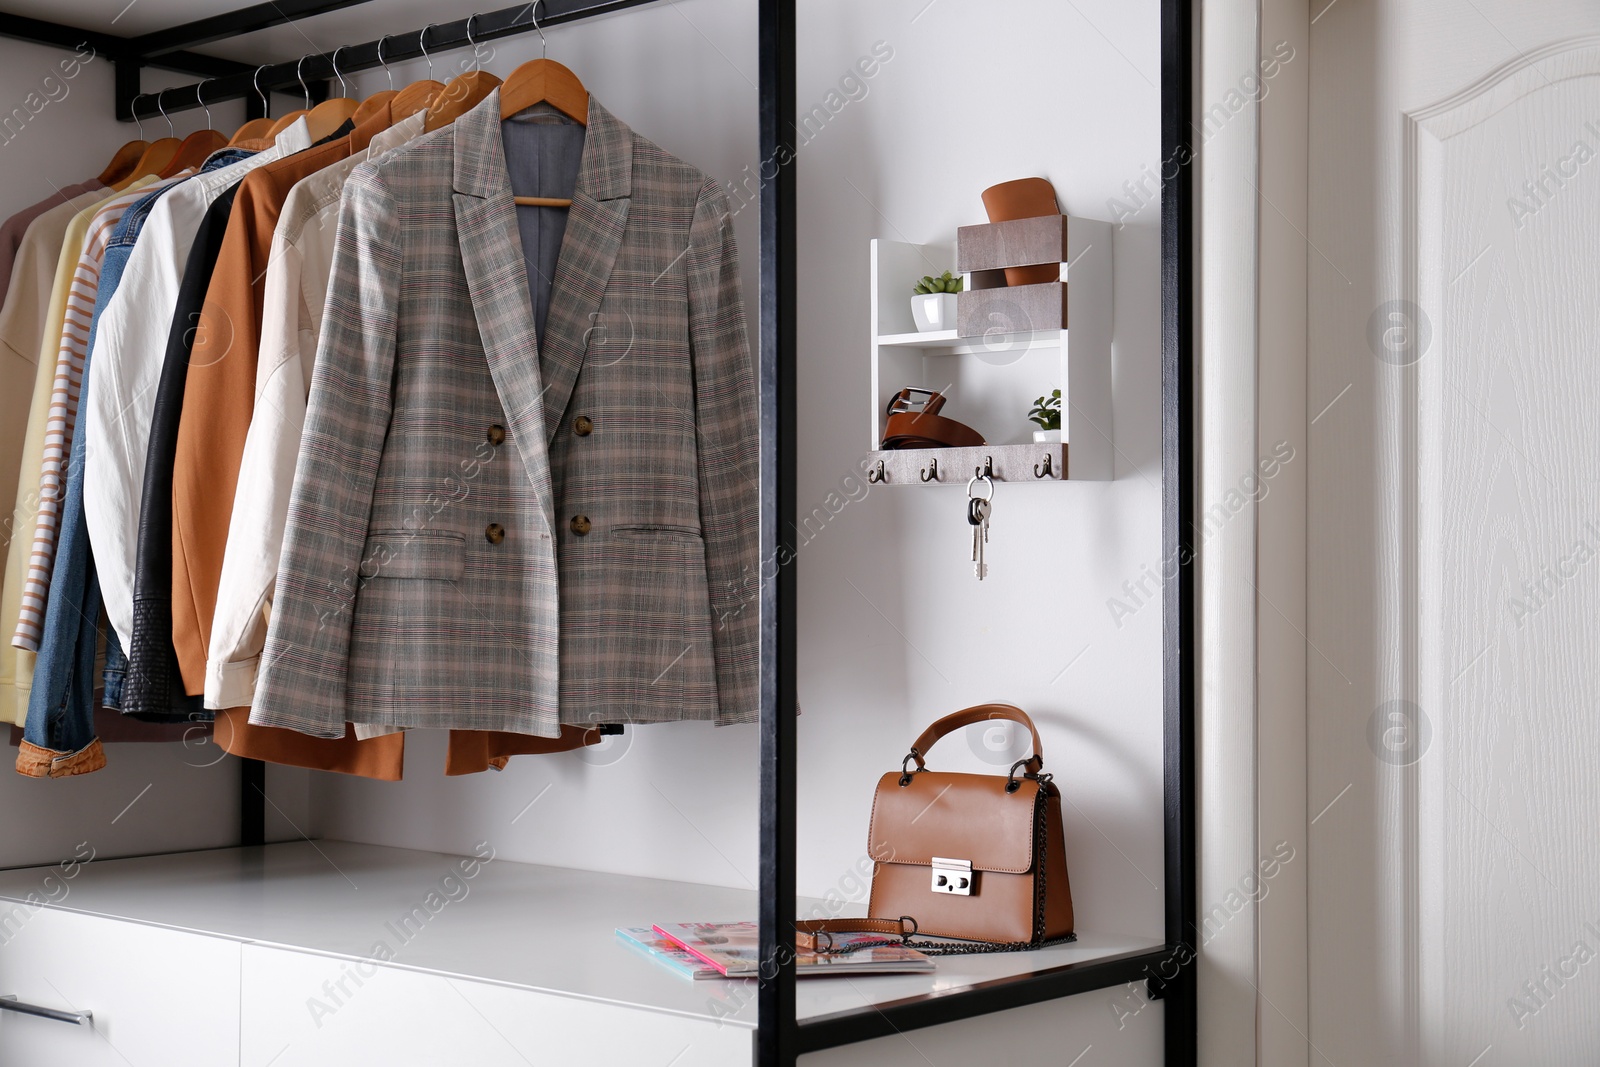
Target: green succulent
point(1047, 411)
point(944, 283)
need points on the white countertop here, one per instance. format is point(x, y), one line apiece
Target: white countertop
point(544, 928)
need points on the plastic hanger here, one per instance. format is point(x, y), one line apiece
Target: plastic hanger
point(328, 116)
point(127, 157)
point(256, 129)
point(372, 104)
point(198, 146)
point(418, 95)
point(158, 155)
point(544, 81)
point(463, 92)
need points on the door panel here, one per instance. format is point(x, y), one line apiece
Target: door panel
point(1454, 533)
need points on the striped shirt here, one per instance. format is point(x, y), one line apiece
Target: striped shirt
point(64, 397)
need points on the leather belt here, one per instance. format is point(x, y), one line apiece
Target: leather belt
point(907, 427)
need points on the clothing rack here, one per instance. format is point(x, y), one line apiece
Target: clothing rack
point(1167, 972)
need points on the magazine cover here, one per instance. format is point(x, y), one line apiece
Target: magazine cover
point(673, 956)
point(733, 949)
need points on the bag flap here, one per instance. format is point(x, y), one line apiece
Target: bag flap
point(954, 816)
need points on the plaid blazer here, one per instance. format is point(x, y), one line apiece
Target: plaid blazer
point(490, 532)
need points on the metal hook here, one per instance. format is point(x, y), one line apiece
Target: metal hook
point(299, 72)
point(471, 42)
point(384, 63)
point(877, 474)
point(1047, 471)
point(422, 43)
point(985, 471)
point(544, 45)
point(930, 473)
point(136, 117)
point(200, 99)
point(337, 73)
point(266, 103)
point(161, 103)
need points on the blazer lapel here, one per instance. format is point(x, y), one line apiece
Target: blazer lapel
point(491, 253)
point(595, 224)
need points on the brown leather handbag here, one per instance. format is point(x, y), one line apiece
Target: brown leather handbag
point(979, 857)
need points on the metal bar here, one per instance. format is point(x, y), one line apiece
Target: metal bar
point(980, 998)
point(777, 1038)
point(110, 46)
point(77, 1018)
point(1177, 530)
point(397, 47)
point(231, 24)
point(252, 802)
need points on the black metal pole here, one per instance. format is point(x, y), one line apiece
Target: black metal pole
point(1177, 528)
point(252, 802)
point(397, 47)
point(776, 1037)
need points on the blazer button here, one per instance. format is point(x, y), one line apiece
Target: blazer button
point(494, 533)
point(580, 524)
point(583, 426)
point(497, 434)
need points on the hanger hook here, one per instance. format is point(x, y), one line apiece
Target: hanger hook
point(544, 45)
point(266, 104)
point(471, 42)
point(136, 117)
point(344, 89)
point(161, 102)
point(199, 95)
point(422, 43)
point(385, 63)
point(299, 72)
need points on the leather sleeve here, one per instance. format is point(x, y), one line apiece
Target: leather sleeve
point(305, 663)
point(728, 438)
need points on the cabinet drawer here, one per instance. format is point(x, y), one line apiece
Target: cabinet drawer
point(158, 996)
point(303, 1010)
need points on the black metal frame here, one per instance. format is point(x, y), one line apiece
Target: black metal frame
point(1167, 972)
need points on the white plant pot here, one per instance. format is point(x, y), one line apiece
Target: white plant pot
point(934, 311)
point(1047, 437)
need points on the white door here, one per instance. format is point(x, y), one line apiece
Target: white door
point(1454, 533)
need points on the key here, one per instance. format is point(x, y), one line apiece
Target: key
point(978, 517)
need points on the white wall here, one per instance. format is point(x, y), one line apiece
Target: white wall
point(181, 796)
point(894, 629)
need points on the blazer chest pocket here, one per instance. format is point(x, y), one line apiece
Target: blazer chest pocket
point(436, 554)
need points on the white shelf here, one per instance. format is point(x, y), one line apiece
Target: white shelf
point(548, 930)
point(990, 381)
point(947, 339)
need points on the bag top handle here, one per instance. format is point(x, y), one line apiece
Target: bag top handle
point(976, 714)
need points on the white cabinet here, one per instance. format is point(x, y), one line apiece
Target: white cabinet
point(304, 1010)
point(159, 997)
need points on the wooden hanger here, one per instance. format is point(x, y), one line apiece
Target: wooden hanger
point(156, 153)
point(198, 146)
point(542, 81)
point(373, 104)
point(255, 129)
point(123, 162)
point(193, 150)
point(463, 93)
point(419, 95)
point(329, 115)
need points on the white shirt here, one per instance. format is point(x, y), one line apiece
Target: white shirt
point(291, 323)
point(129, 349)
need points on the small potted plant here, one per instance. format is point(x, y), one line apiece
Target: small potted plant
point(1046, 414)
point(934, 304)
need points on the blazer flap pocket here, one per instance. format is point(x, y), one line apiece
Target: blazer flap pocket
point(413, 554)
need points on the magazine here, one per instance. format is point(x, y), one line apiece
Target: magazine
point(733, 949)
point(671, 955)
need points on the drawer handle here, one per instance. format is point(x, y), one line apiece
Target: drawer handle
point(77, 1018)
